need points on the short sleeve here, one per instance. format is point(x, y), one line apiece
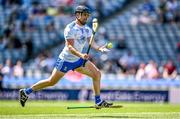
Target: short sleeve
point(68, 33)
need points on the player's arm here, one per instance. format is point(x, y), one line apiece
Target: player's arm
point(70, 44)
point(99, 48)
point(95, 46)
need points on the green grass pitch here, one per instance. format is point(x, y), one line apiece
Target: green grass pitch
point(57, 110)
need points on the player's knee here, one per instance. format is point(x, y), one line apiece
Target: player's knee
point(51, 82)
point(97, 75)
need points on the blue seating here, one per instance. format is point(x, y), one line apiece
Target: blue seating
point(147, 42)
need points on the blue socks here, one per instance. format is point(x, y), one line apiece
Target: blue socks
point(28, 91)
point(97, 99)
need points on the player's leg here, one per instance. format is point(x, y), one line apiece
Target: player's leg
point(53, 79)
point(92, 71)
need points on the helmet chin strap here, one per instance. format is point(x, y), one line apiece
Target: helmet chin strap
point(80, 20)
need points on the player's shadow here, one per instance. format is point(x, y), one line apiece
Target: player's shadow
point(128, 117)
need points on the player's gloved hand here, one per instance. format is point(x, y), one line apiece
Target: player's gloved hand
point(85, 56)
point(103, 48)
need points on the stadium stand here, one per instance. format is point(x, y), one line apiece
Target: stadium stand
point(148, 41)
point(38, 23)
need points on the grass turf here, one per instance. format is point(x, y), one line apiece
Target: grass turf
point(57, 110)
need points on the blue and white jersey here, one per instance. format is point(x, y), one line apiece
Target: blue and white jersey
point(80, 34)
